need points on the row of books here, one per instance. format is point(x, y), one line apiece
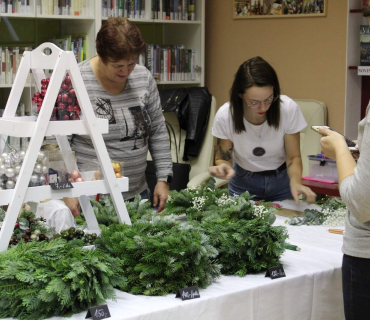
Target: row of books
point(160, 9)
point(133, 9)
point(169, 63)
point(15, 6)
point(49, 7)
point(9, 63)
point(65, 7)
point(173, 9)
point(77, 43)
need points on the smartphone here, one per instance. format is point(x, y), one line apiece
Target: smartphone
point(351, 144)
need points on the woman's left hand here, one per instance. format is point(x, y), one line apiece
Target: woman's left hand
point(297, 189)
point(160, 195)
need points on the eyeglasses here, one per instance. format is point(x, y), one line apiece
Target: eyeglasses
point(267, 102)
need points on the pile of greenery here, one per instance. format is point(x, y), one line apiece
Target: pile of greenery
point(44, 279)
point(206, 201)
point(106, 214)
point(332, 213)
point(245, 246)
point(161, 256)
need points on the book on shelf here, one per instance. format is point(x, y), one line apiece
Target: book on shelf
point(160, 9)
point(10, 59)
point(364, 45)
point(65, 7)
point(169, 62)
point(77, 43)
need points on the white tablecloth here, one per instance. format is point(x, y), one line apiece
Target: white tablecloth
point(312, 288)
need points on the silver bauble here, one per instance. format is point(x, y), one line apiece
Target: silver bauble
point(17, 169)
point(16, 177)
point(33, 237)
point(10, 184)
point(38, 168)
point(37, 232)
point(22, 154)
point(10, 172)
point(45, 169)
point(34, 178)
point(2, 168)
point(41, 156)
point(45, 160)
point(9, 163)
point(42, 179)
point(4, 156)
point(16, 158)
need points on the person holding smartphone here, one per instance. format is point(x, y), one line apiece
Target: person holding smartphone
point(258, 141)
point(354, 187)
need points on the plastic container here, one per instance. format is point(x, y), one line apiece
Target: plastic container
point(323, 169)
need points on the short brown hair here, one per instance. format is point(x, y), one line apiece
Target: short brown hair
point(119, 39)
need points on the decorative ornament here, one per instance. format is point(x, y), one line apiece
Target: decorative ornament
point(17, 169)
point(37, 232)
point(22, 154)
point(42, 179)
point(40, 156)
point(33, 237)
point(34, 178)
point(38, 168)
point(2, 169)
point(4, 156)
point(116, 167)
point(10, 172)
point(10, 184)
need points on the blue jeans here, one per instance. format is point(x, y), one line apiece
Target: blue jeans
point(144, 195)
point(356, 287)
point(272, 187)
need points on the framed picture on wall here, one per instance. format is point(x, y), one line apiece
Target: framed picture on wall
point(249, 9)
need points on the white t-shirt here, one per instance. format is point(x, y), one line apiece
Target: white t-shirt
point(57, 215)
point(266, 152)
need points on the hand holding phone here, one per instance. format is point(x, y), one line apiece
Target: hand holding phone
point(351, 144)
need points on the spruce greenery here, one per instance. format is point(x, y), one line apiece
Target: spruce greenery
point(245, 246)
point(44, 279)
point(161, 256)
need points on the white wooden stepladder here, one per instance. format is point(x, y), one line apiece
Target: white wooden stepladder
point(38, 127)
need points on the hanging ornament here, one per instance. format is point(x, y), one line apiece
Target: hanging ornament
point(33, 237)
point(2, 169)
point(16, 158)
point(45, 169)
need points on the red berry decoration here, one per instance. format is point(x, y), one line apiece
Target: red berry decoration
point(72, 93)
point(43, 92)
point(61, 106)
point(75, 117)
point(66, 117)
point(68, 79)
point(54, 118)
point(47, 80)
point(16, 225)
point(43, 81)
point(59, 98)
point(64, 87)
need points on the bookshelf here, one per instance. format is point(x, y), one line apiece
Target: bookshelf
point(32, 28)
point(356, 97)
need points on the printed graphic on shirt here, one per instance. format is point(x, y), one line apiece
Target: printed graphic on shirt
point(139, 128)
point(259, 151)
point(104, 110)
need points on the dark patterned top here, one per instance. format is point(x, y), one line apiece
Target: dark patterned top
point(136, 124)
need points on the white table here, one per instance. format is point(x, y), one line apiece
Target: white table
point(312, 289)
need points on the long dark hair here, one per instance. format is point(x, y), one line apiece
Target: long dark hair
point(254, 72)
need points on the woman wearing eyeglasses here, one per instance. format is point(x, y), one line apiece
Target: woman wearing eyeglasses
point(258, 142)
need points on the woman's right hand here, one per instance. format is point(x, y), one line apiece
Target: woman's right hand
point(222, 171)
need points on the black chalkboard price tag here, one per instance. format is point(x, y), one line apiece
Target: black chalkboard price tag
point(275, 272)
point(188, 293)
point(61, 185)
point(98, 312)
